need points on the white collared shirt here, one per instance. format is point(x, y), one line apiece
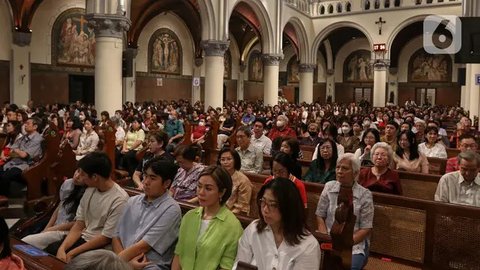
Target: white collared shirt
point(452, 188)
point(263, 143)
point(259, 249)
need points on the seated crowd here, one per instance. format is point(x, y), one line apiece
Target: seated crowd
point(361, 149)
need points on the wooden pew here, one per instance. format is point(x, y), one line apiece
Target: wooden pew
point(437, 165)
point(36, 263)
point(419, 185)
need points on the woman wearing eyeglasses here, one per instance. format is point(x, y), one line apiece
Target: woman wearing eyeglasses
point(209, 234)
point(280, 238)
point(322, 169)
point(380, 177)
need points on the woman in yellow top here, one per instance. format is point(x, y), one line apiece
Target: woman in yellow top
point(131, 145)
point(209, 234)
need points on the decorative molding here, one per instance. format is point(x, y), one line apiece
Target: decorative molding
point(304, 68)
point(381, 64)
point(198, 61)
point(271, 59)
point(330, 71)
point(110, 25)
point(214, 47)
point(21, 39)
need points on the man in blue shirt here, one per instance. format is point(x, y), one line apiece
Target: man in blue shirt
point(174, 129)
point(148, 228)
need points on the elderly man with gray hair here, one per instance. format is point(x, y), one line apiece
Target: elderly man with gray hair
point(281, 129)
point(462, 186)
point(347, 172)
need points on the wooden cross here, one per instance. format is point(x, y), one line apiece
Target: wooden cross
point(82, 22)
point(380, 22)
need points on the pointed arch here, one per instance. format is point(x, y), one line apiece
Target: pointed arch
point(207, 17)
point(303, 41)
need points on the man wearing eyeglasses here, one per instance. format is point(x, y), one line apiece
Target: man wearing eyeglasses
point(467, 142)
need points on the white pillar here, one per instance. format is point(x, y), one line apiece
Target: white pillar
point(214, 69)
point(330, 86)
point(306, 82)
point(474, 90)
point(130, 81)
point(197, 73)
point(379, 84)
point(20, 73)
point(109, 31)
point(468, 83)
point(240, 82)
point(270, 79)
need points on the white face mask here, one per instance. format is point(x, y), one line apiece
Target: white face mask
point(280, 123)
point(82, 117)
point(170, 117)
point(201, 124)
point(345, 129)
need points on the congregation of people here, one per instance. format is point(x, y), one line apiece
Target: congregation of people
point(359, 148)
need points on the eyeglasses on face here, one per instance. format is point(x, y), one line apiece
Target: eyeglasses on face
point(271, 205)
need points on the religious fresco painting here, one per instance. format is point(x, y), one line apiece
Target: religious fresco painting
point(357, 67)
point(255, 67)
point(425, 67)
point(293, 70)
point(73, 41)
point(165, 52)
point(227, 62)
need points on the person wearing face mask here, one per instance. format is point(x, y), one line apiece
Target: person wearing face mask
point(199, 132)
point(312, 138)
point(281, 129)
point(346, 138)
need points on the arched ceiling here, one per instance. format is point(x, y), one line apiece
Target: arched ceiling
point(340, 37)
point(244, 26)
point(23, 11)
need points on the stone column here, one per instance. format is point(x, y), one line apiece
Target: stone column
point(473, 88)
point(20, 73)
point(306, 82)
point(109, 31)
point(130, 81)
point(214, 69)
point(466, 89)
point(379, 83)
point(270, 78)
point(197, 73)
point(240, 82)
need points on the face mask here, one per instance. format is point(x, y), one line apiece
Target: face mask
point(82, 117)
point(414, 130)
point(201, 124)
point(170, 117)
point(279, 123)
point(313, 133)
point(345, 129)
point(366, 124)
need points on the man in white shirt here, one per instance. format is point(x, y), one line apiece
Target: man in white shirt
point(463, 186)
point(259, 140)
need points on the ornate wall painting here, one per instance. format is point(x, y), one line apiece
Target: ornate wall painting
point(424, 67)
point(293, 70)
point(73, 41)
point(165, 52)
point(357, 67)
point(255, 67)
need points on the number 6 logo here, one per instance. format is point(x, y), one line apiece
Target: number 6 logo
point(442, 34)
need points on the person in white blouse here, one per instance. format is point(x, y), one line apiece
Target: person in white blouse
point(279, 239)
point(431, 147)
point(88, 140)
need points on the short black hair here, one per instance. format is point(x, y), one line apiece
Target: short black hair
point(160, 136)
point(166, 169)
point(4, 239)
point(236, 157)
point(285, 160)
point(96, 163)
point(222, 178)
point(290, 206)
point(188, 152)
point(261, 121)
point(393, 123)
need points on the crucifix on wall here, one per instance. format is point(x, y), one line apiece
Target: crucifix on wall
point(380, 22)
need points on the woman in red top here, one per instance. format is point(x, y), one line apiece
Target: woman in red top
point(199, 132)
point(283, 166)
point(380, 177)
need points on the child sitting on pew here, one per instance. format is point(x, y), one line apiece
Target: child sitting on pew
point(62, 219)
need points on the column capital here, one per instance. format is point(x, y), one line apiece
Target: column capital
point(21, 39)
point(304, 68)
point(272, 59)
point(214, 47)
point(381, 64)
point(132, 51)
point(198, 61)
point(108, 25)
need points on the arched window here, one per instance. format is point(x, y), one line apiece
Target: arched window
point(366, 5)
point(396, 3)
point(330, 9)
point(377, 4)
point(418, 2)
point(386, 4)
point(348, 7)
point(339, 7)
point(429, 1)
point(322, 10)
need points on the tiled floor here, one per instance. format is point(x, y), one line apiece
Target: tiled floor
point(14, 211)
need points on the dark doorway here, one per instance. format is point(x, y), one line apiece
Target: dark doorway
point(81, 88)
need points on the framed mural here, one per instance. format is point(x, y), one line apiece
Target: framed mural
point(73, 41)
point(357, 67)
point(255, 67)
point(165, 52)
point(293, 70)
point(425, 67)
point(227, 62)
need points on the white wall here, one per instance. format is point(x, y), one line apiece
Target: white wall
point(6, 26)
point(345, 51)
point(175, 24)
point(235, 54)
point(321, 67)
point(42, 24)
